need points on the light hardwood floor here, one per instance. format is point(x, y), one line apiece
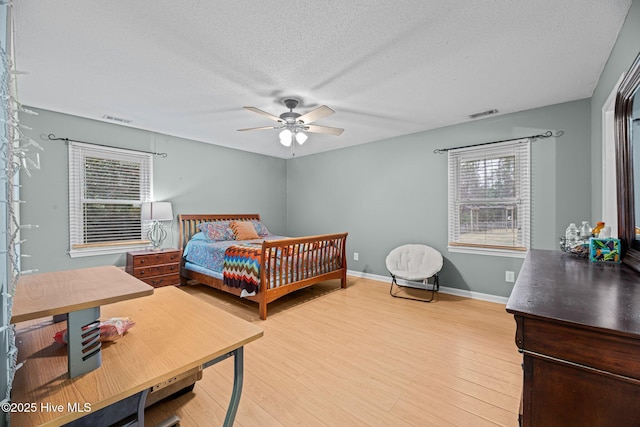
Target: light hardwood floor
point(358, 357)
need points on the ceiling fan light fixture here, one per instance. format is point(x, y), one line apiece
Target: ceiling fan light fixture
point(301, 137)
point(286, 137)
point(293, 125)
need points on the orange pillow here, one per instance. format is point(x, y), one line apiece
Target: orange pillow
point(244, 230)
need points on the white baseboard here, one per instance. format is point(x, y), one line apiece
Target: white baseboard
point(443, 289)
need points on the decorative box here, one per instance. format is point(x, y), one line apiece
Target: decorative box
point(604, 250)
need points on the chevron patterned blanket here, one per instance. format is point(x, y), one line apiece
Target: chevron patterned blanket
point(241, 267)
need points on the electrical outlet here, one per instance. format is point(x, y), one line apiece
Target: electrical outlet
point(509, 276)
point(355, 256)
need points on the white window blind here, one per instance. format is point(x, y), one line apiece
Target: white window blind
point(489, 198)
point(106, 189)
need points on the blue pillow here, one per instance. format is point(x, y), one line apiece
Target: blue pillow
point(217, 231)
point(260, 228)
point(199, 236)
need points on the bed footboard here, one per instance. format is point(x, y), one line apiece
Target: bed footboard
point(290, 264)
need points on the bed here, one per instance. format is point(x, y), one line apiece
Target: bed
point(260, 270)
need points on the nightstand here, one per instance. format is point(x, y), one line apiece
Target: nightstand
point(156, 268)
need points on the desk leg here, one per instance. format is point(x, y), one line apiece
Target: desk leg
point(238, 376)
point(83, 336)
point(141, 404)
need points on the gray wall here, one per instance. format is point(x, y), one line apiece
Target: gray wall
point(624, 52)
point(195, 177)
point(384, 194)
point(394, 191)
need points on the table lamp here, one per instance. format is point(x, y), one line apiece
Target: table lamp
point(156, 212)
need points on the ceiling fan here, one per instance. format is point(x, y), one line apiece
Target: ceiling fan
point(294, 125)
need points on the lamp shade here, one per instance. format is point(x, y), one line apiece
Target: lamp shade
point(301, 137)
point(156, 211)
point(286, 137)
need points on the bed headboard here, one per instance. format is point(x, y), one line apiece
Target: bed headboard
point(188, 223)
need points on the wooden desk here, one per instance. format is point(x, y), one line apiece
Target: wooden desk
point(78, 294)
point(61, 292)
point(174, 333)
point(579, 331)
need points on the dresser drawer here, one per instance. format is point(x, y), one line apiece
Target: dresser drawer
point(155, 259)
point(156, 270)
point(601, 350)
point(159, 281)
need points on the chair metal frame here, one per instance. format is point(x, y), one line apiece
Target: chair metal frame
point(434, 288)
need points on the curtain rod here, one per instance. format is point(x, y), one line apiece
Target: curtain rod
point(547, 134)
point(52, 137)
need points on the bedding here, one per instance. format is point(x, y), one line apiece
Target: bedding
point(244, 230)
point(241, 267)
point(260, 228)
point(217, 231)
point(210, 254)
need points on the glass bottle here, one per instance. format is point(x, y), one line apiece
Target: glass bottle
point(585, 230)
point(571, 235)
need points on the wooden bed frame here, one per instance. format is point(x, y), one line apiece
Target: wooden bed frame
point(325, 267)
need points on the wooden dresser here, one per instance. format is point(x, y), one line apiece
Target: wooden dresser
point(156, 268)
point(578, 327)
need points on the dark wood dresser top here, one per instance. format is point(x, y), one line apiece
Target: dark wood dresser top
point(559, 286)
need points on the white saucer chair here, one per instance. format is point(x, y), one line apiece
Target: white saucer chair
point(414, 263)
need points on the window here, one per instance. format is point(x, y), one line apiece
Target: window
point(106, 189)
point(489, 197)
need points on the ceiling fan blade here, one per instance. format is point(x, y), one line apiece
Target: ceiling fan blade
point(317, 114)
point(260, 128)
point(323, 129)
point(264, 113)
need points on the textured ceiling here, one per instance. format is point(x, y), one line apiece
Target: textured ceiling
point(387, 67)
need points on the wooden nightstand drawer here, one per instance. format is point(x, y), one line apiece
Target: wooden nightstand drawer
point(156, 270)
point(155, 259)
point(158, 281)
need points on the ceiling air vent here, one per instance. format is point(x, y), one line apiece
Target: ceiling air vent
point(116, 119)
point(483, 114)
